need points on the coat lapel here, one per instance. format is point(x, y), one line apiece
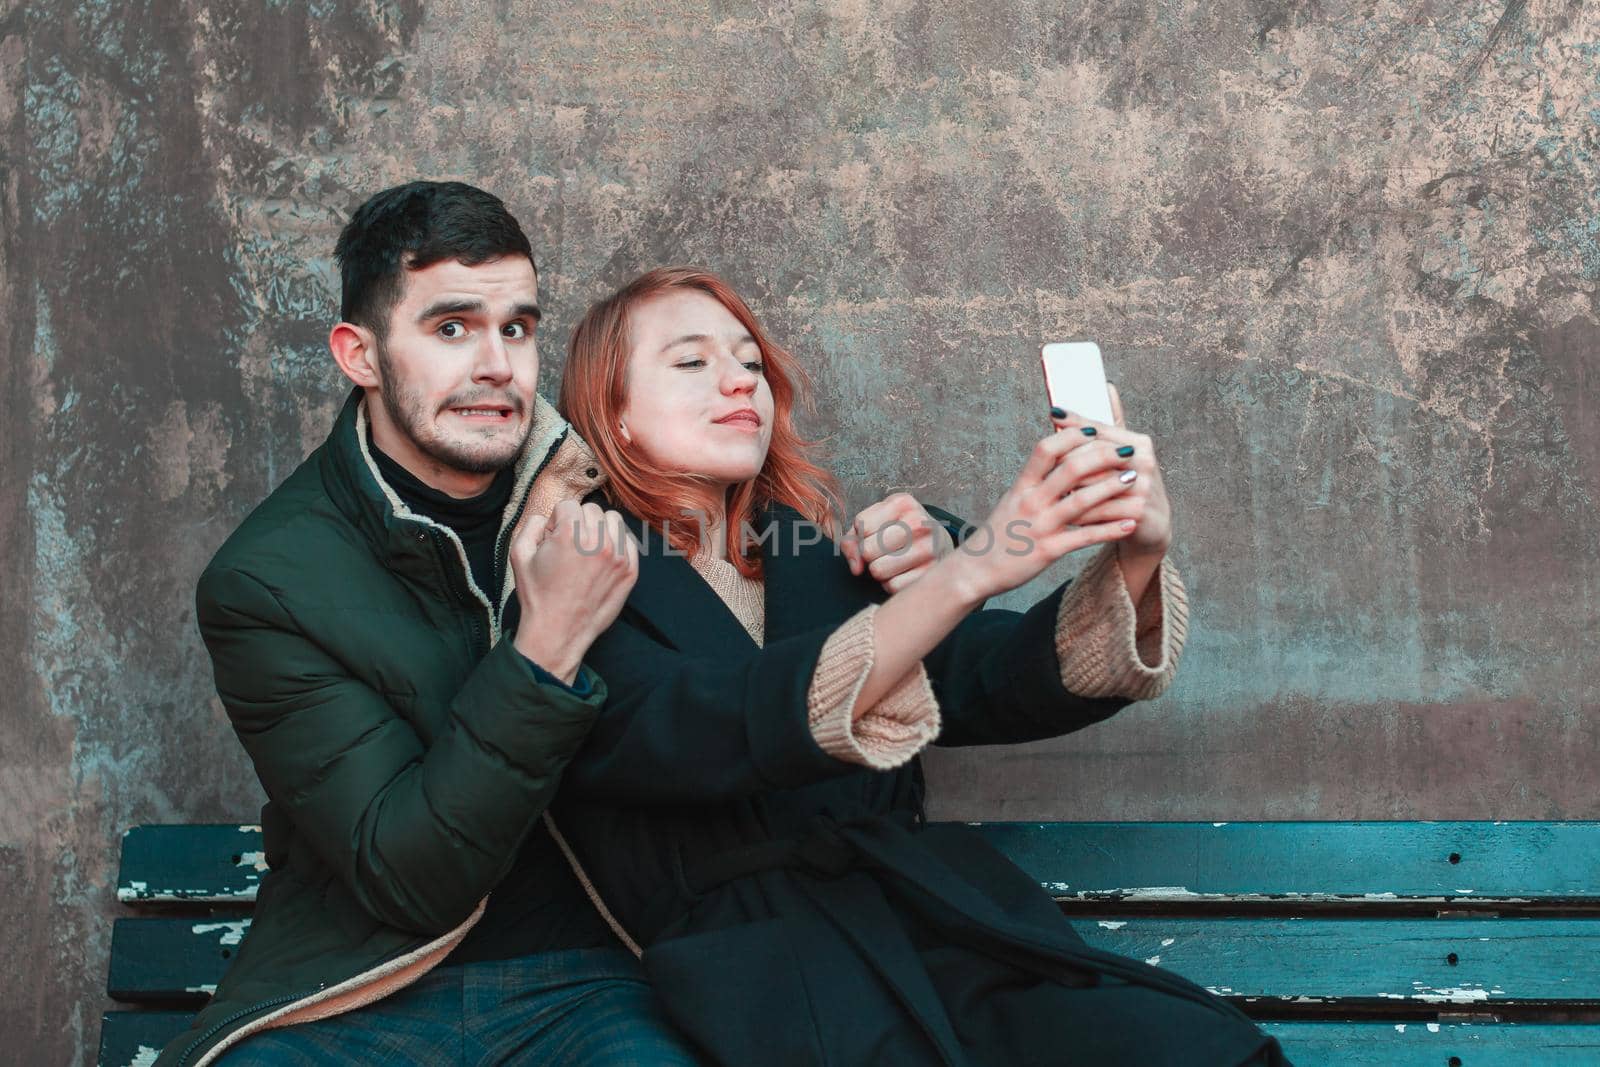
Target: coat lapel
point(672, 599)
point(808, 583)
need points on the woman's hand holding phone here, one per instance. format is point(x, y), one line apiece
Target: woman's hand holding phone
point(1039, 518)
point(1075, 380)
point(1087, 483)
point(1145, 502)
point(1069, 495)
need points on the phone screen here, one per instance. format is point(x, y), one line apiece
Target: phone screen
point(1075, 378)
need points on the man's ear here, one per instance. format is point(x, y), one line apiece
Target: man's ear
point(355, 349)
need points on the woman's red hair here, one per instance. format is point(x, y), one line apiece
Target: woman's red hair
point(594, 394)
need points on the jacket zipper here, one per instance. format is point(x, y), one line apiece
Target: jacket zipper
point(502, 543)
point(502, 552)
point(236, 1016)
point(467, 594)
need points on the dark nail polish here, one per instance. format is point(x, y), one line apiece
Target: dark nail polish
point(1058, 413)
point(1125, 451)
point(1089, 431)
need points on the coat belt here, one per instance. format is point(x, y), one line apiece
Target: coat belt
point(822, 850)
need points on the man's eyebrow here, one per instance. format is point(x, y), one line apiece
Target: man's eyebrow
point(460, 306)
point(698, 338)
point(449, 306)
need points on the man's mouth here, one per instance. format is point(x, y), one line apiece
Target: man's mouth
point(485, 412)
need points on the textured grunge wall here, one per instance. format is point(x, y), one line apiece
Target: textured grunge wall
point(1342, 257)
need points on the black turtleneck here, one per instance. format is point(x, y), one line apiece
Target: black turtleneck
point(475, 519)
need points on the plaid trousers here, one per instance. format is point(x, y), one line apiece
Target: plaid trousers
point(575, 1008)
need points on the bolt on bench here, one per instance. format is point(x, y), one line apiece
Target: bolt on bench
point(1389, 944)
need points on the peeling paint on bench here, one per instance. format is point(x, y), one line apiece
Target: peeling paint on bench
point(1178, 894)
point(140, 893)
point(1459, 995)
point(233, 932)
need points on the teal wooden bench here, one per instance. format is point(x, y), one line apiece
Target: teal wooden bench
point(1393, 944)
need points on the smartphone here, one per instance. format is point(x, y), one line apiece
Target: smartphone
point(1075, 378)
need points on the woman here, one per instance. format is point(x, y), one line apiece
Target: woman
point(748, 809)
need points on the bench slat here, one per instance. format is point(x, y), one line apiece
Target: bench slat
point(1506, 865)
point(1433, 1044)
point(170, 959)
point(131, 1039)
point(1343, 963)
point(201, 863)
point(1453, 863)
point(1371, 963)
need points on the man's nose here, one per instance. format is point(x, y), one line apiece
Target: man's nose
point(494, 362)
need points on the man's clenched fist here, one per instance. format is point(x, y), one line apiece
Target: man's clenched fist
point(573, 572)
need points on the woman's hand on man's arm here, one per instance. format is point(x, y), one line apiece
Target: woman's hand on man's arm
point(895, 540)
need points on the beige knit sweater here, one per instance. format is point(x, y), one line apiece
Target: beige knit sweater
point(1105, 646)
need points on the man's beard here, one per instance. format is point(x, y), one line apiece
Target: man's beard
point(409, 413)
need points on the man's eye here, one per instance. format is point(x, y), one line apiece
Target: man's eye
point(516, 330)
point(452, 330)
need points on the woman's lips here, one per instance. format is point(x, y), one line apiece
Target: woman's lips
point(748, 421)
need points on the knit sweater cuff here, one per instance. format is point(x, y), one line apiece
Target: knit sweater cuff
point(890, 732)
point(1106, 646)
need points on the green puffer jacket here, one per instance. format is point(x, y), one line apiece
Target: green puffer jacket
point(406, 750)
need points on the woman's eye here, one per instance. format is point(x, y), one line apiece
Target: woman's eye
point(516, 331)
point(452, 331)
point(756, 366)
point(691, 363)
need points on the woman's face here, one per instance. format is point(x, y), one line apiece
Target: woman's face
point(697, 399)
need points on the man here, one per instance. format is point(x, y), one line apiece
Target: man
point(407, 752)
point(397, 635)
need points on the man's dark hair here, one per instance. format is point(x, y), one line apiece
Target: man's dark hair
point(413, 226)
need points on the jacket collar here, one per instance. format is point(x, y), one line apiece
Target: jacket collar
point(806, 585)
point(353, 481)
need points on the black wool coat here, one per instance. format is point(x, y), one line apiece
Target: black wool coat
point(797, 910)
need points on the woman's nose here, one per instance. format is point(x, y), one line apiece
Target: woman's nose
point(739, 379)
